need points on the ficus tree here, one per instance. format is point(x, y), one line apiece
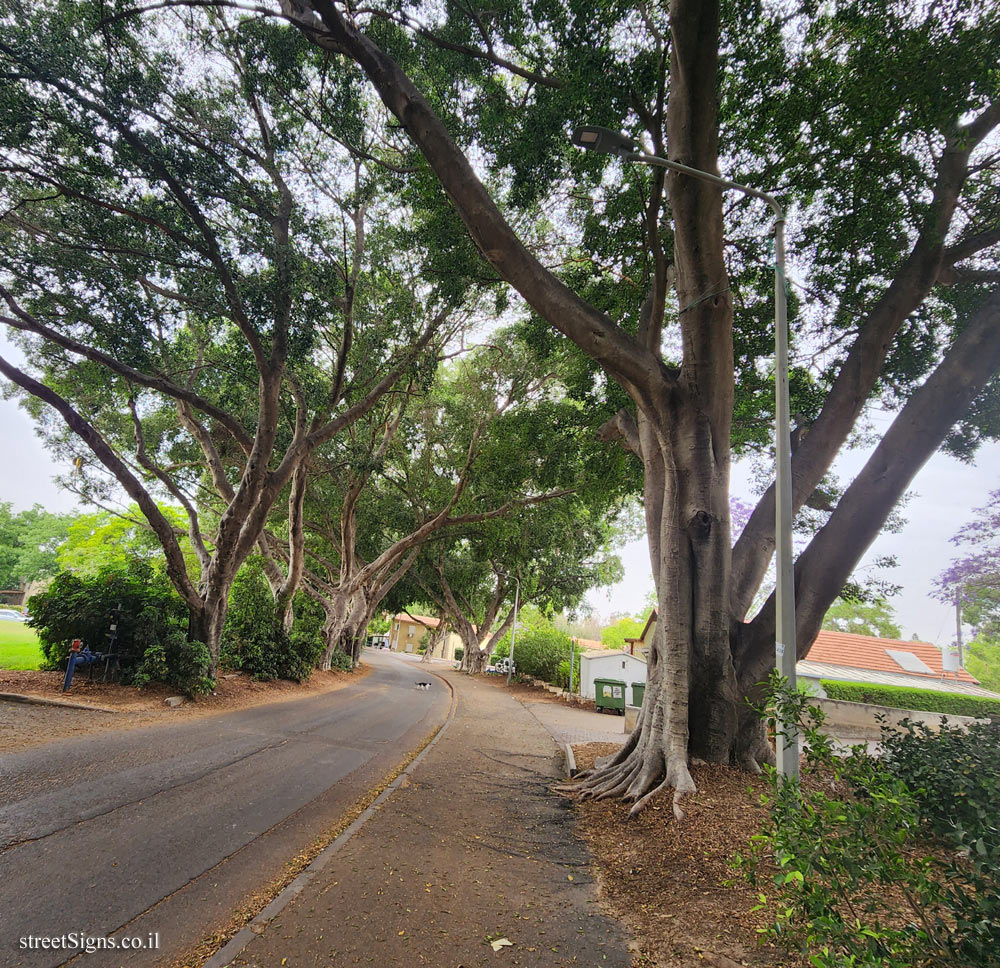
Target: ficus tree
point(547, 553)
point(548, 556)
point(891, 172)
point(202, 275)
point(473, 447)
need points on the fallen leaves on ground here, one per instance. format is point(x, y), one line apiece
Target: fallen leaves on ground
point(671, 882)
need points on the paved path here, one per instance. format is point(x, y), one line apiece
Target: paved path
point(571, 724)
point(472, 848)
point(169, 828)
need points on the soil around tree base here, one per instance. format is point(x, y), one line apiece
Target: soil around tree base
point(671, 882)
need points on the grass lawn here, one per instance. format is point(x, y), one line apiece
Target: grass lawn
point(19, 647)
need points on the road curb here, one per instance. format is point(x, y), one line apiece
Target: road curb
point(42, 701)
point(571, 769)
point(234, 947)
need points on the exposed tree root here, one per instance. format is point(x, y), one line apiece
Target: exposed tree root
point(638, 777)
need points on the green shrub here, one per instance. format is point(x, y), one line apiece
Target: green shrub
point(562, 674)
point(902, 697)
point(867, 869)
point(459, 652)
point(341, 660)
point(254, 641)
point(177, 662)
point(538, 652)
point(954, 774)
point(152, 627)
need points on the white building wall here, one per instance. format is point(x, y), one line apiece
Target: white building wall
point(610, 665)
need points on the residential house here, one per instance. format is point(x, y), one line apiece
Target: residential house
point(885, 662)
point(13, 597)
point(640, 647)
point(408, 632)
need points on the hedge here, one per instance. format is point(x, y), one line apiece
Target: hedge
point(903, 697)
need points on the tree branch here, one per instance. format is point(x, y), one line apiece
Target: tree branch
point(860, 371)
point(612, 347)
point(622, 427)
point(163, 529)
point(915, 434)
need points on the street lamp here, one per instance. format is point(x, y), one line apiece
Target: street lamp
point(609, 142)
point(513, 631)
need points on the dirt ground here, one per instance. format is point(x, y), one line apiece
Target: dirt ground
point(526, 692)
point(671, 883)
point(23, 725)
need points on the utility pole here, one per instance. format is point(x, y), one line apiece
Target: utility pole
point(958, 629)
point(513, 631)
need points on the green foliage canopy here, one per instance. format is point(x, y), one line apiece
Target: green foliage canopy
point(863, 618)
point(29, 543)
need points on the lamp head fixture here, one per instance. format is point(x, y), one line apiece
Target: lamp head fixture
point(603, 140)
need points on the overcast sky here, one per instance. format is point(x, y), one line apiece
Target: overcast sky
point(946, 492)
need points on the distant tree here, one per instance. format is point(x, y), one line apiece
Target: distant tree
point(99, 538)
point(581, 625)
point(982, 659)
point(29, 544)
point(973, 580)
point(380, 624)
point(614, 635)
point(862, 618)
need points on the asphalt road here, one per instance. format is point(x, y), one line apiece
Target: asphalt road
point(167, 829)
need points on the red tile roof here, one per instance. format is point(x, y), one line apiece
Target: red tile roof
point(431, 623)
point(868, 652)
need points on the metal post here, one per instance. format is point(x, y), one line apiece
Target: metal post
point(572, 659)
point(606, 141)
point(958, 629)
point(784, 637)
point(513, 631)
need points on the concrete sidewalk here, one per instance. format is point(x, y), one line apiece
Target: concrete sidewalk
point(472, 848)
point(571, 724)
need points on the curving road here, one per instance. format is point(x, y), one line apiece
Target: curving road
point(168, 829)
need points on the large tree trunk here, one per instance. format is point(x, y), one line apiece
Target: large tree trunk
point(354, 630)
point(691, 700)
point(205, 624)
point(335, 606)
point(475, 657)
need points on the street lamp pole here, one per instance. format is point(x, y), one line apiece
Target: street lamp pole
point(606, 141)
point(513, 630)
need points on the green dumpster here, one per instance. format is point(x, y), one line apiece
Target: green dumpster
point(638, 691)
point(609, 694)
